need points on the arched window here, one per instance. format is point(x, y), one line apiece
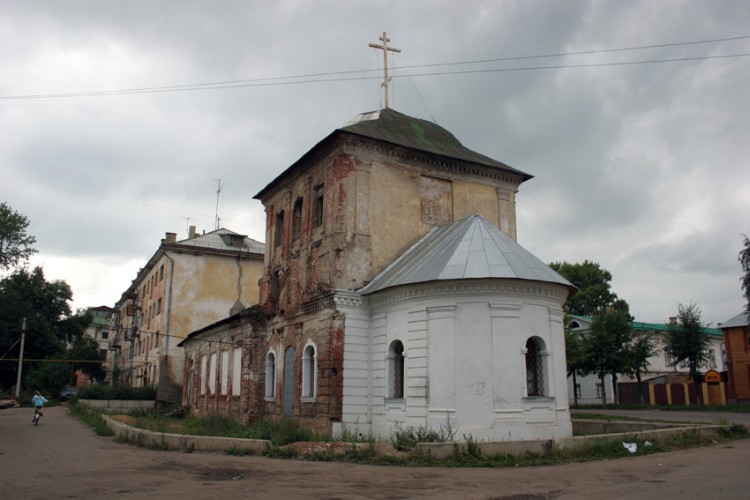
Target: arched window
point(309, 371)
point(271, 375)
point(534, 368)
point(396, 370)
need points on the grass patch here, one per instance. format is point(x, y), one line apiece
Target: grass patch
point(280, 431)
point(468, 453)
point(90, 417)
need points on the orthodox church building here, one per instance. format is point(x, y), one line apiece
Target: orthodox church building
point(393, 293)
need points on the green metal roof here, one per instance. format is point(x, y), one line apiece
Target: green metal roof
point(396, 128)
point(663, 327)
point(656, 327)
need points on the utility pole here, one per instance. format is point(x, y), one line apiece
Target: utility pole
point(385, 48)
point(20, 360)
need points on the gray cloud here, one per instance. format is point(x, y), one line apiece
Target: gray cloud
point(639, 167)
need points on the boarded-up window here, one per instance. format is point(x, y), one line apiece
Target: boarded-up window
point(224, 371)
point(309, 371)
point(437, 201)
point(212, 374)
point(317, 210)
point(204, 374)
point(297, 219)
point(270, 375)
point(236, 371)
point(278, 236)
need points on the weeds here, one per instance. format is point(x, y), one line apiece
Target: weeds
point(407, 438)
point(468, 453)
point(91, 417)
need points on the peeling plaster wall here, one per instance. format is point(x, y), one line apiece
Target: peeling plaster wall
point(204, 288)
point(378, 201)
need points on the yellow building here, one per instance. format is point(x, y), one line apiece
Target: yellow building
point(185, 286)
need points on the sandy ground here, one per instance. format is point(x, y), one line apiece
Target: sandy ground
point(63, 458)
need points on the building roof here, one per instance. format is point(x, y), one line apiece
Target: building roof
point(388, 125)
point(222, 239)
point(639, 325)
point(471, 248)
point(391, 127)
point(739, 320)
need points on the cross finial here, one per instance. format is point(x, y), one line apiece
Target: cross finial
point(385, 48)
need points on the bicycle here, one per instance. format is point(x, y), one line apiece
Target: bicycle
point(37, 415)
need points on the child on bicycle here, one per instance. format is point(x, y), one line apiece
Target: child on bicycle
point(39, 401)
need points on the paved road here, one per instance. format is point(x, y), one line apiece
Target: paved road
point(62, 458)
point(715, 417)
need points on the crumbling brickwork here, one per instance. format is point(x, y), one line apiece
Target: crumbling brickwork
point(334, 220)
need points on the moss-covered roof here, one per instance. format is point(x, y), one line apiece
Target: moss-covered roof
point(391, 127)
point(396, 128)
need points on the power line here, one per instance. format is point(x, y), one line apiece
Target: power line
point(578, 53)
point(316, 77)
point(26, 360)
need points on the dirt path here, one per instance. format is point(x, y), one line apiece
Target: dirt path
point(62, 458)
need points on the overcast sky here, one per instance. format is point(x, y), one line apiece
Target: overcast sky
point(642, 168)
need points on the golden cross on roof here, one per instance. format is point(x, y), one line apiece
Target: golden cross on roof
point(385, 48)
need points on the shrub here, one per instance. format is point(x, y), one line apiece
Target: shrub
point(407, 438)
point(118, 391)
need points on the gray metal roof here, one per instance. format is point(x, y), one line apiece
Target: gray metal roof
point(470, 248)
point(215, 239)
point(739, 320)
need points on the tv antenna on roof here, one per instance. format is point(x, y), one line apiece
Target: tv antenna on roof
point(218, 191)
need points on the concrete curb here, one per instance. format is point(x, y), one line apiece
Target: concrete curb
point(627, 432)
point(184, 442)
point(653, 434)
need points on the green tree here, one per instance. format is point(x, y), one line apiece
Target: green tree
point(16, 245)
point(88, 359)
point(687, 342)
point(593, 283)
point(643, 345)
point(50, 324)
point(744, 258)
point(576, 357)
point(48, 377)
point(607, 347)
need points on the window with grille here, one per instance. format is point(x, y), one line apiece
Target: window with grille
point(534, 369)
point(396, 369)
